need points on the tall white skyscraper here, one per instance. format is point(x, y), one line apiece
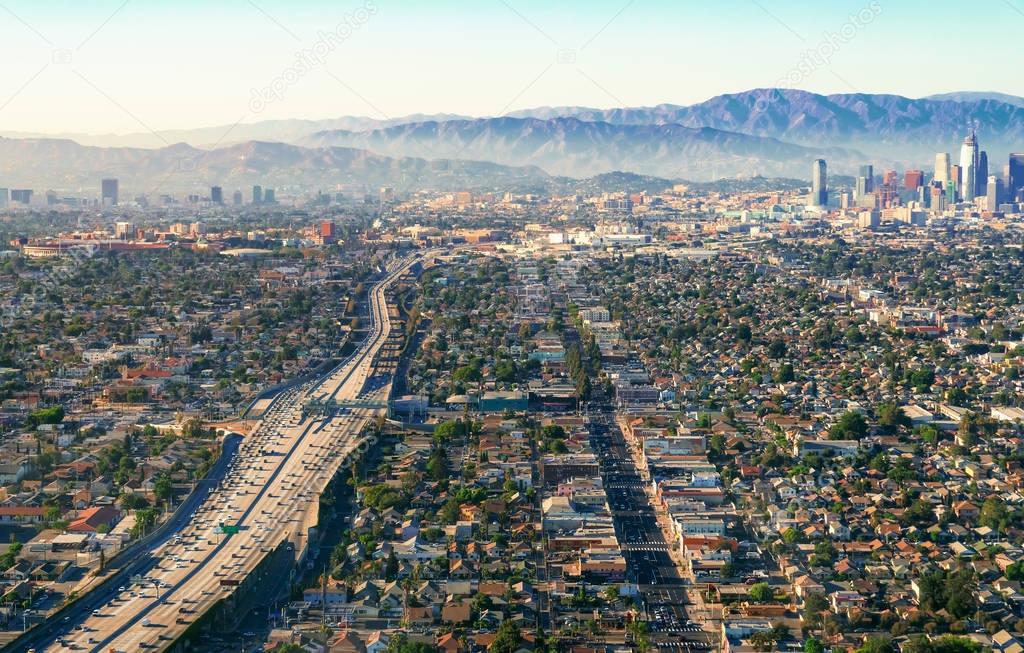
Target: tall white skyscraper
point(942, 167)
point(819, 183)
point(969, 165)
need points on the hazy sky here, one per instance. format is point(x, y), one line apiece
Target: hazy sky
point(127, 66)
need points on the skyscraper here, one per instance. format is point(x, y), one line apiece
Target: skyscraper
point(108, 192)
point(981, 185)
point(942, 167)
point(969, 165)
point(216, 195)
point(237, 198)
point(913, 179)
point(994, 193)
point(1016, 176)
point(257, 194)
point(268, 196)
point(819, 183)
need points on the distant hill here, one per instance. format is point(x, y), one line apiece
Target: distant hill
point(581, 148)
point(883, 126)
point(284, 131)
point(66, 165)
point(769, 132)
point(974, 96)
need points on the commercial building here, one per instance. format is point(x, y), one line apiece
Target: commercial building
point(819, 183)
point(108, 192)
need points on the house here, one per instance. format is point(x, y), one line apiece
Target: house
point(457, 613)
point(94, 520)
point(346, 642)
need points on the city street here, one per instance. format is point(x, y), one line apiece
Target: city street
point(663, 593)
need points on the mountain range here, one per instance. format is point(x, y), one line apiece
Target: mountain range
point(65, 164)
point(758, 132)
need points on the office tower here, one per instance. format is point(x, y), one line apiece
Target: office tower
point(956, 176)
point(1016, 177)
point(268, 196)
point(257, 195)
point(21, 195)
point(938, 199)
point(819, 183)
point(994, 193)
point(216, 195)
point(951, 192)
point(124, 230)
point(969, 165)
point(868, 172)
point(942, 167)
point(237, 198)
point(913, 179)
point(889, 191)
point(108, 192)
point(981, 186)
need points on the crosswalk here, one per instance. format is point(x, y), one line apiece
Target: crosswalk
point(685, 646)
point(677, 629)
point(645, 547)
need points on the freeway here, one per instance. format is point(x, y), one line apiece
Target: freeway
point(268, 498)
point(135, 561)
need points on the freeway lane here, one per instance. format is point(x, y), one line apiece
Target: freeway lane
point(270, 493)
point(138, 561)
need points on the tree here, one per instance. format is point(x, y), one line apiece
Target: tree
point(851, 426)
point(162, 488)
point(993, 514)
point(761, 593)
point(877, 644)
point(391, 568)
point(891, 417)
point(813, 645)
point(508, 638)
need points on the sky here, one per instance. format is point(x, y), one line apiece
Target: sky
point(124, 66)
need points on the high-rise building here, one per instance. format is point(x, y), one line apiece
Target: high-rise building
point(969, 165)
point(1016, 177)
point(942, 167)
point(913, 179)
point(21, 195)
point(4, 198)
point(981, 185)
point(257, 195)
point(994, 193)
point(819, 183)
point(268, 196)
point(216, 195)
point(108, 192)
point(868, 172)
point(956, 178)
point(237, 198)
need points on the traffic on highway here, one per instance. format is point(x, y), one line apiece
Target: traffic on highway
point(267, 498)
